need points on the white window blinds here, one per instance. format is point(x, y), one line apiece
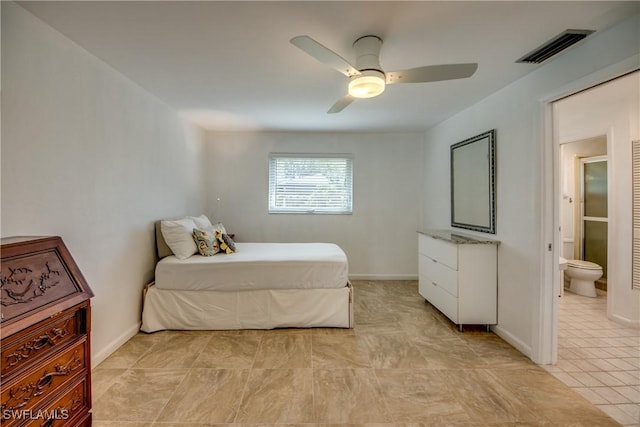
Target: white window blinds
point(310, 183)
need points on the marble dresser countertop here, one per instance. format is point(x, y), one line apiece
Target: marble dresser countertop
point(457, 237)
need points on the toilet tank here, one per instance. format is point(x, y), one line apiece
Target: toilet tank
point(567, 248)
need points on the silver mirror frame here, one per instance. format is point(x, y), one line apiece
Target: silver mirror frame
point(491, 176)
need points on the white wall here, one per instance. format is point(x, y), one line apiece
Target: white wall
point(516, 112)
point(92, 157)
point(612, 109)
point(379, 237)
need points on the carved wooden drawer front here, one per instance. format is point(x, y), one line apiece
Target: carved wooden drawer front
point(66, 411)
point(38, 384)
point(31, 281)
point(45, 335)
point(44, 338)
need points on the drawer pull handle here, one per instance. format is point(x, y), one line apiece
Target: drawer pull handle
point(21, 395)
point(433, 260)
point(434, 283)
point(44, 382)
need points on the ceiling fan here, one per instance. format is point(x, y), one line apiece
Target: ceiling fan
point(367, 78)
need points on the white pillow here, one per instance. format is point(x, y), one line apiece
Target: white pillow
point(201, 222)
point(219, 228)
point(179, 237)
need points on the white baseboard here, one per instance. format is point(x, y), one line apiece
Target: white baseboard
point(513, 340)
point(626, 322)
point(383, 277)
point(98, 357)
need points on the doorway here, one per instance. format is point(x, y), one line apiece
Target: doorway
point(596, 339)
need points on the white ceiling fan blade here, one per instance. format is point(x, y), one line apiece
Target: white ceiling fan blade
point(324, 55)
point(341, 104)
point(432, 73)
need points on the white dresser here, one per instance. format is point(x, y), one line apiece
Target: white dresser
point(458, 275)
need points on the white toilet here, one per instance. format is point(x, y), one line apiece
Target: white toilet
point(583, 275)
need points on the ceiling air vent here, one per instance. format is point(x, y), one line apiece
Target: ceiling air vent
point(554, 46)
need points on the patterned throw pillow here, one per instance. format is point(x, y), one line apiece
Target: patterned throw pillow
point(227, 244)
point(206, 241)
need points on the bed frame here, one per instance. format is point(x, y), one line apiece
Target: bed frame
point(249, 309)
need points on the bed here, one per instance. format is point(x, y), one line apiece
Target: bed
point(261, 286)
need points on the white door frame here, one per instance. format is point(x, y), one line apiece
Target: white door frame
point(545, 330)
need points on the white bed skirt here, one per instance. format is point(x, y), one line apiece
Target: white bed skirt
point(251, 309)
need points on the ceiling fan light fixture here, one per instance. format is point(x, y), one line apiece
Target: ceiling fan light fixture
point(367, 85)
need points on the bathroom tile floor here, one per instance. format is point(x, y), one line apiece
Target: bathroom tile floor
point(404, 364)
point(598, 358)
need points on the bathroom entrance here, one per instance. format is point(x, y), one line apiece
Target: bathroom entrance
point(593, 337)
point(583, 214)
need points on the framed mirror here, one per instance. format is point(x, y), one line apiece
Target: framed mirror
point(473, 194)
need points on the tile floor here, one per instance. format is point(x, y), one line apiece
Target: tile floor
point(599, 358)
point(402, 364)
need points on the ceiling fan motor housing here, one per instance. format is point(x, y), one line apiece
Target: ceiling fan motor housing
point(368, 53)
point(371, 80)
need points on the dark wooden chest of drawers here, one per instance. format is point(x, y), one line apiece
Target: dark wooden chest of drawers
point(45, 368)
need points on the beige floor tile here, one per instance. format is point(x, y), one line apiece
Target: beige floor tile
point(631, 409)
point(102, 379)
point(630, 392)
point(176, 351)
point(404, 364)
point(394, 351)
point(591, 395)
point(370, 323)
point(348, 396)
point(540, 392)
point(424, 324)
point(568, 379)
point(607, 379)
point(339, 351)
point(611, 395)
point(138, 395)
point(333, 331)
point(587, 379)
point(284, 351)
point(622, 416)
point(448, 354)
point(277, 396)
point(496, 403)
point(119, 423)
point(128, 354)
point(627, 377)
point(206, 396)
point(228, 352)
point(420, 396)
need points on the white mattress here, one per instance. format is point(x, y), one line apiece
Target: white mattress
point(258, 266)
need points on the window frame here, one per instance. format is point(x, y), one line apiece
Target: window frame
point(345, 209)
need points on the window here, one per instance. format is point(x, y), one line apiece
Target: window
point(310, 183)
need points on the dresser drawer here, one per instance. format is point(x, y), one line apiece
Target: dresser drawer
point(40, 340)
point(70, 409)
point(440, 274)
point(42, 382)
point(439, 298)
point(443, 252)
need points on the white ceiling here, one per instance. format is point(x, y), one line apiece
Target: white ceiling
point(229, 65)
